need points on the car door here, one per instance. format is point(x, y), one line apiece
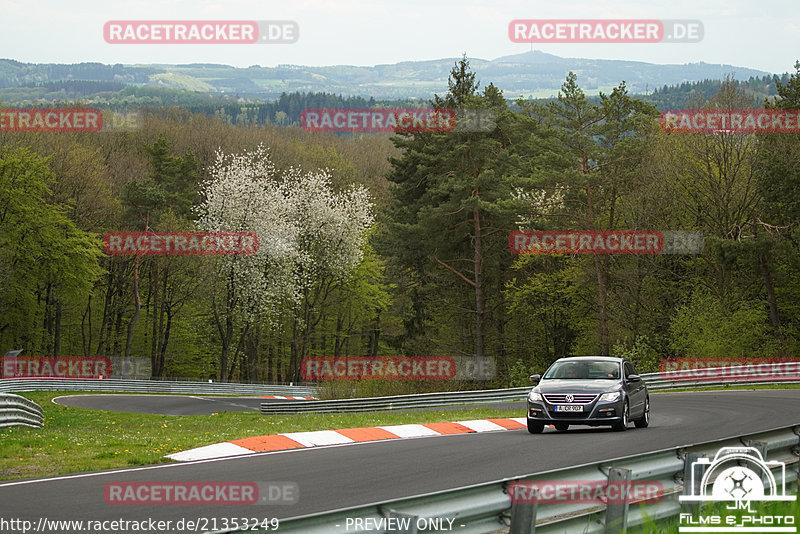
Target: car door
point(636, 391)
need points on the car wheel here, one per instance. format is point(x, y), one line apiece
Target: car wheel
point(622, 425)
point(561, 427)
point(645, 420)
point(535, 427)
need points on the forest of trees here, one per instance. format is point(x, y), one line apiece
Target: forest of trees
point(680, 96)
point(286, 109)
point(418, 263)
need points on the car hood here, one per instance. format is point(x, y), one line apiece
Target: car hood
point(577, 386)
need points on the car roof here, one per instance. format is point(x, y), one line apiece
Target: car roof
point(591, 358)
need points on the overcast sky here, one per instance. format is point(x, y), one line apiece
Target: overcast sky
point(760, 34)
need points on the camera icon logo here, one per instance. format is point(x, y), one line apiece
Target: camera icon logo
point(737, 474)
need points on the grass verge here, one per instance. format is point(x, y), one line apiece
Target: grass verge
point(78, 439)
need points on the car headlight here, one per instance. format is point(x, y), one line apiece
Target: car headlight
point(535, 397)
point(610, 397)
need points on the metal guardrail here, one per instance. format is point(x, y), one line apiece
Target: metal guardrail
point(714, 377)
point(487, 507)
point(663, 385)
point(395, 402)
point(655, 382)
point(16, 410)
point(153, 386)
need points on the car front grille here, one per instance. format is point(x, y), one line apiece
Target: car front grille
point(568, 415)
point(577, 398)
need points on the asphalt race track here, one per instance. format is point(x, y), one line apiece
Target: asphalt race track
point(351, 475)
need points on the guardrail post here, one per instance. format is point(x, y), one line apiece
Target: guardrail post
point(761, 447)
point(692, 484)
point(617, 512)
point(523, 518)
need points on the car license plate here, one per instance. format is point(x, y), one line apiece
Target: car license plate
point(569, 408)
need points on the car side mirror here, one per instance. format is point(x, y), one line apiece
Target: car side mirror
point(535, 378)
point(634, 378)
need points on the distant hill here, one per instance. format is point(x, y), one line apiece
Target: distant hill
point(530, 74)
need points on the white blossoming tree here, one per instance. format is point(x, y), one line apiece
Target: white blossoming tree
point(310, 238)
point(537, 204)
point(330, 246)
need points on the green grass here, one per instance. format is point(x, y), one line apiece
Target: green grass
point(78, 439)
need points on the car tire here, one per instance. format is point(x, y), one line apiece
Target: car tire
point(561, 427)
point(644, 421)
point(535, 427)
point(622, 425)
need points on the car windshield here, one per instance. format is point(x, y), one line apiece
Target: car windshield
point(584, 370)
